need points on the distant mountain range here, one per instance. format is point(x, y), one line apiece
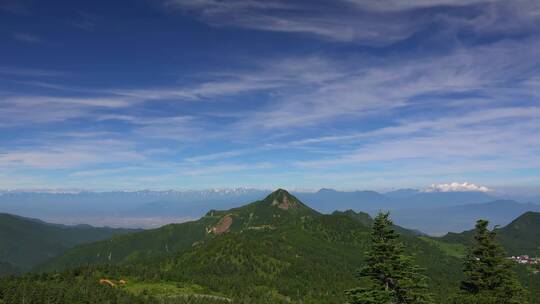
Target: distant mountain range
point(327, 200)
point(267, 214)
point(122, 208)
point(25, 242)
point(411, 208)
point(440, 220)
point(276, 250)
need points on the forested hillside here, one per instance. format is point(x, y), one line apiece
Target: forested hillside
point(27, 242)
point(520, 237)
point(277, 250)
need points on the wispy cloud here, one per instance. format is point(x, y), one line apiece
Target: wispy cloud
point(20, 109)
point(407, 128)
point(493, 73)
point(15, 7)
point(448, 142)
point(26, 37)
point(314, 91)
point(86, 21)
point(70, 155)
point(320, 19)
point(17, 71)
point(460, 97)
point(218, 156)
point(225, 168)
point(103, 172)
point(369, 22)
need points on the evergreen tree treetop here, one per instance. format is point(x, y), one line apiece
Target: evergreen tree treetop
point(390, 277)
point(489, 277)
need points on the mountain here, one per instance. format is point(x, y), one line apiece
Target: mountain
point(26, 242)
point(147, 209)
point(151, 209)
point(445, 199)
point(520, 237)
point(275, 250)
point(434, 213)
point(441, 220)
point(366, 220)
point(402, 193)
point(260, 215)
point(328, 200)
point(361, 217)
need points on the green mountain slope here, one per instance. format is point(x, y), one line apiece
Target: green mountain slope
point(311, 260)
point(521, 236)
point(361, 217)
point(26, 242)
point(271, 251)
point(157, 243)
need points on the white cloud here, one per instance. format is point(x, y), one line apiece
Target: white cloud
point(372, 22)
point(397, 5)
point(410, 127)
point(494, 127)
point(224, 168)
point(217, 156)
point(63, 155)
point(33, 101)
point(103, 172)
point(480, 141)
point(283, 16)
point(18, 110)
point(494, 72)
point(456, 187)
point(30, 72)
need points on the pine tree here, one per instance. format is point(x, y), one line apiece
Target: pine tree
point(489, 278)
point(390, 277)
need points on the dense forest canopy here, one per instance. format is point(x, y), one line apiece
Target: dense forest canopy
point(277, 250)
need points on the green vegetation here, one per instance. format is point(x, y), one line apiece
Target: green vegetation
point(82, 286)
point(161, 288)
point(7, 269)
point(27, 242)
point(455, 250)
point(389, 276)
point(521, 236)
point(276, 250)
point(361, 217)
point(489, 278)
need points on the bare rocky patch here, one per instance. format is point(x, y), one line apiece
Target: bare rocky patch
point(285, 203)
point(223, 225)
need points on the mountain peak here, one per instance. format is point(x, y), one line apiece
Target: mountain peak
point(525, 221)
point(326, 190)
point(282, 199)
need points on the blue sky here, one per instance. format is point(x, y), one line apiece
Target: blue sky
point(350, 94)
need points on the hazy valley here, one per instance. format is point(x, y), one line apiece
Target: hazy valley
point(277, 249)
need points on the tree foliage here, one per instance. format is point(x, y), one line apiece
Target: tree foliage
point(489, 277)
point(389, 276)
